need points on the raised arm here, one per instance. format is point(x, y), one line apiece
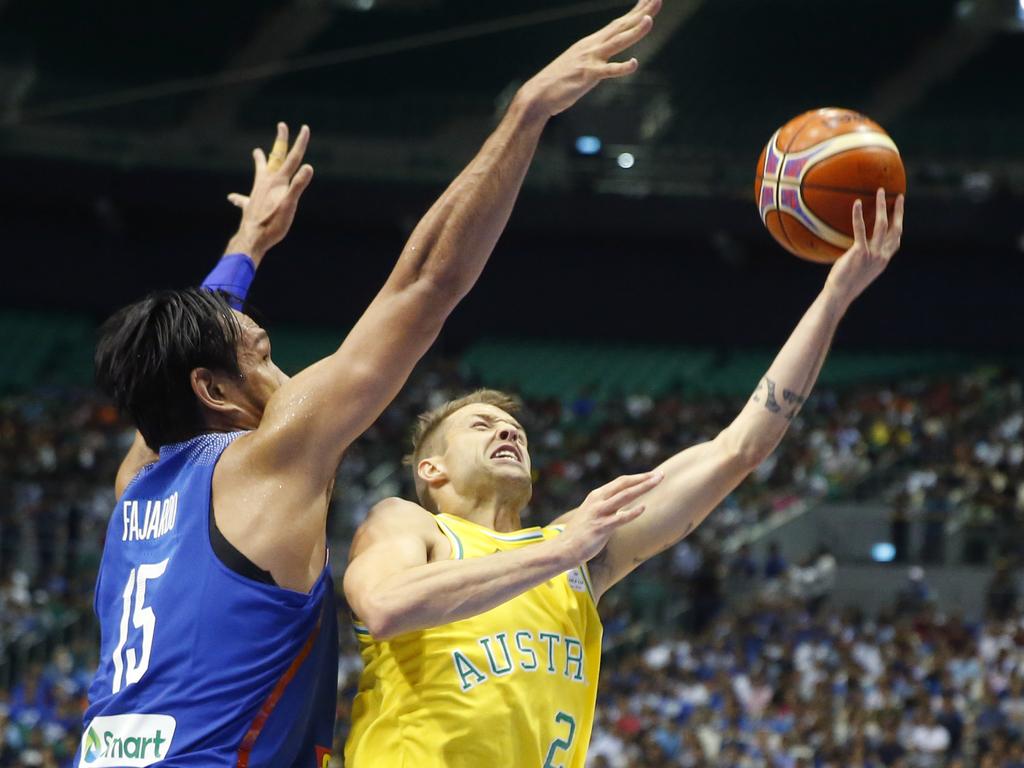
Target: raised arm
point(267, 214)
point(399, 578)
point(311, 420)
point(697, 479)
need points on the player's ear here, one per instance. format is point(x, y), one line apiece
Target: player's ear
point(208, 389)
point(431, 471)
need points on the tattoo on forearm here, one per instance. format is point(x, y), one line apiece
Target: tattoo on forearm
point(765, 393)
point(795, 400)
point(770, 402)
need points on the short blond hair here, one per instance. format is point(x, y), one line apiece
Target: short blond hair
point(426, 432)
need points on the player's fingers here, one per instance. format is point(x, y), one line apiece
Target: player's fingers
point(860, 235)
point(609, 489)
point(287, 205)
point(624, 516)
point(625, 21)
point(280, 149)
point(620, 483)
point(881, 218)
point(897, 216)
point(259, 159)
point(299, 182)
point(281, 139)
point(618, 68)
point(238, 200)
point(627, 496)
point(895, 234)
point(622, 40)
point(298, 150)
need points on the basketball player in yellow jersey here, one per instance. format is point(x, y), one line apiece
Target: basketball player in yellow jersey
point(480, 638)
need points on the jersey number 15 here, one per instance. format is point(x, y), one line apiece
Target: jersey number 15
point(132, 667)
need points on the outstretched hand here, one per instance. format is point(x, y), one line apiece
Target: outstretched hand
point(604, 511)
point(586, 63)
point(269, 209)
point(867, 258)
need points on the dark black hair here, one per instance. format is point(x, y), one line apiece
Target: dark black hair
point(146, 353)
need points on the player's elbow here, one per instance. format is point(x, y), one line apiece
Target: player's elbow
point(379, 627)
point(426, 301)
point(743, 450)
point(443, 286)
point(381, 620)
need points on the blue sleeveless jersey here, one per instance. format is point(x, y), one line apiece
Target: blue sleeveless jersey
point(200, 666)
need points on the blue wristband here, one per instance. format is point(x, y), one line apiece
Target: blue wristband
point(233, 275)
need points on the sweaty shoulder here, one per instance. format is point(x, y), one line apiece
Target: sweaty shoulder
point(396, 518)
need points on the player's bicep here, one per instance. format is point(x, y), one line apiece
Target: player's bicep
point(311, 420)
point(381, 550)
point(376, 562)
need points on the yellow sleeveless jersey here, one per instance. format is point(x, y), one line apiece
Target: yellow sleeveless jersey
point(514, 687)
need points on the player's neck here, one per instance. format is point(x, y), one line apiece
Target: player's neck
point(493, 512)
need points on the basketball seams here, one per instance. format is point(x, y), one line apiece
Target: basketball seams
point(778, 178)
point(834, 146)
point(782, 228)
point(842, 145)
point(840, 153)
point(822, 230)
point(820, 235)
point(772, 150)
point(815, 114)
point(857, 139)
point(808, 117)
point(869, 193)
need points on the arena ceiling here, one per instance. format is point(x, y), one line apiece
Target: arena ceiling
point(399, 91)
point(124, 124)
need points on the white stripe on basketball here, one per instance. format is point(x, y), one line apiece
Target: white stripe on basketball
point(821, 229)
point(834, 145)
point(771, 182)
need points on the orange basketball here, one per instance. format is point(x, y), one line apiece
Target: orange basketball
point(811, 171)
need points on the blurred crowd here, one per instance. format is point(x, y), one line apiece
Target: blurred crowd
point(964, 469)
point(41, 713)
point(58, 453)
point(769, 681)
point(780, 685)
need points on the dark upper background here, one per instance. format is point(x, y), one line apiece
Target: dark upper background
point(120, 137)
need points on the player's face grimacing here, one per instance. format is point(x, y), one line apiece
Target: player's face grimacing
point(261, 378)
point(482, 443)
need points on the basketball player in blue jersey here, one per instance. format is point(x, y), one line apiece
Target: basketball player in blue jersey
point(218, 639)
